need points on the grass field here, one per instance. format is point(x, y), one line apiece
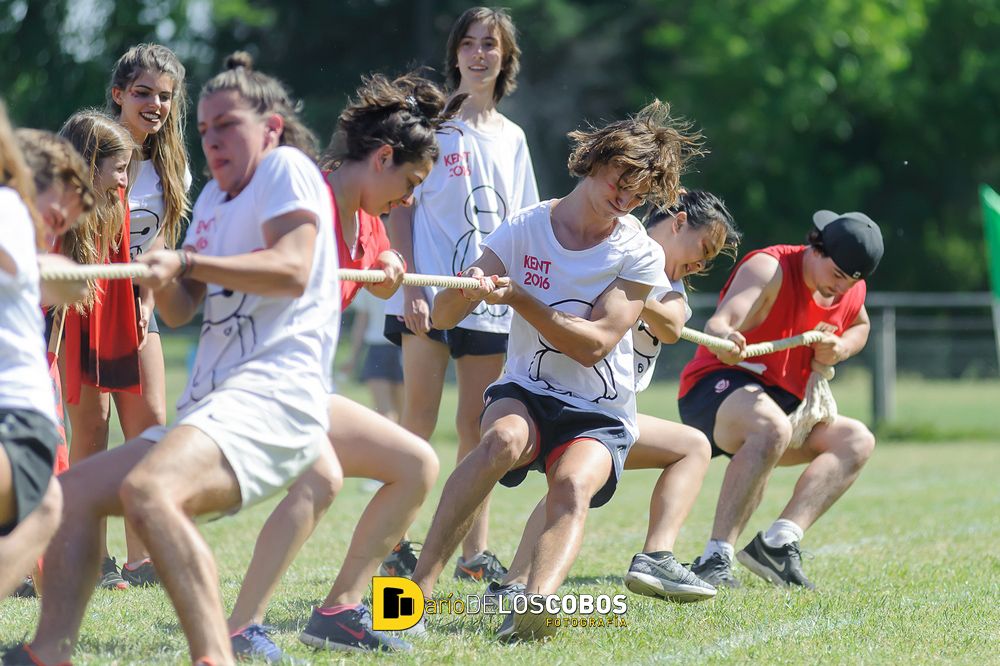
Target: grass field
point(906, 565)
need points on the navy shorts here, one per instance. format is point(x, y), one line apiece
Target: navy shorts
point(461, 341)
point(699, 406)
point(558, 426)
point(29, 440)
point(383, 362)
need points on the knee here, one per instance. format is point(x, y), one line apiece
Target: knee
point(504, 443)
point(569, 495)
point(420, 421)
point(319, 486)
point(859, 447)
point(50, 509)
point(771, 438)
point(426, 467)
point(700, 450)
point(139, 497)
point(467, 428)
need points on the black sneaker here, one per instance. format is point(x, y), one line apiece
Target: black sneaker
point(484, 567)
point(517, 627)
point(349, 630)
point(665, 578)
point(717, 571)
point(496, 591)
point(402, 560)
point(781, 566)
point(26, 590)
point(21, 655)
point(255, 643)
point(111, 578)
point(143, 575)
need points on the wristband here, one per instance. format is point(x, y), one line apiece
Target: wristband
point(400, 256)
point(187, 263)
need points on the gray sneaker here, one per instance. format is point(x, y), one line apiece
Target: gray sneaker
point(665, 578)
point(484, 568)
point(519, 627)
point(717, 571)
point(508, 592)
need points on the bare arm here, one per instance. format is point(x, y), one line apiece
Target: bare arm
point(416, 309)
point(281, 269)
point(453, 305)
point(55, 292)
point(586, 341)
point(393, 267)
point(749, 293)
point(835, 349)
point(666, 317)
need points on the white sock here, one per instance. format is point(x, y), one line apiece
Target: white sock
point(716, 546)
point(781, 533)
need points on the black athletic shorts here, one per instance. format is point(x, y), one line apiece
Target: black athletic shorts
point(461, 341)
point(700, 405)
point(29, 440)
point(559, 425)
point(383, 362)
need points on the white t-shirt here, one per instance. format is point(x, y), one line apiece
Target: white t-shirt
point(478, 181)
point(273, 346)
point(571, 281)
point(647, 346)
point(146, 207)
point(24, 374)
point(374, 307)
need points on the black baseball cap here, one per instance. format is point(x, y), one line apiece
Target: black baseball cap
point(852, 240)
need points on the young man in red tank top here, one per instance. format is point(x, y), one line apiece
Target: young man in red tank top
point(742, 405)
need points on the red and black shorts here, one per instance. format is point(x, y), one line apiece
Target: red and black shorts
point(559, 426)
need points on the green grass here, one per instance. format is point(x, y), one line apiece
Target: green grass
point(906, 564)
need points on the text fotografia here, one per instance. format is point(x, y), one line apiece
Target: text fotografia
point(610, 608)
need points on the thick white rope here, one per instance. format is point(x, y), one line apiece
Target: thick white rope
point(818, 405)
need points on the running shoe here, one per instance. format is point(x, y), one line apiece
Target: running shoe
point(665, 578)
point(26, 590)
point(717, 571)
point(506, 592)
point(255, 643)
point(781, 566)
point(21, 655)
point(484, 567)
point(349, 630)
point(517, 627)
point(111, 578)
point(402, 560)
point(143, 575)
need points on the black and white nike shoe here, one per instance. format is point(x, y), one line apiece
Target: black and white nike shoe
point(781, 566)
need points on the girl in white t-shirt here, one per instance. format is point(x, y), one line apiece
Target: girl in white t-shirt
point(577, 271)
point(259, 259)
point(147, 94)
point(691, 233)
point(482, 178)
point(38, 203)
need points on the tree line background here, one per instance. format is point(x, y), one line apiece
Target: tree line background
point(886, 106)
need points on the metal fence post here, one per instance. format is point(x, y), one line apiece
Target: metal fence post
point(884, 372)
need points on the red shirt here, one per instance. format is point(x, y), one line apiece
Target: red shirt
point(372, 241)
point(794, 311)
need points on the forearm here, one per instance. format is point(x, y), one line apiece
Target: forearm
point(663, 321)
point(450, 307)
point(584, 341)
point(400, 230)
point(854, 340)
point(266, 273)
point(179, 302)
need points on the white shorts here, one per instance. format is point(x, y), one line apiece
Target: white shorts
point(269, 444)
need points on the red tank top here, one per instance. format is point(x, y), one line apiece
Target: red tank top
point(372, 241)
point(794, 311)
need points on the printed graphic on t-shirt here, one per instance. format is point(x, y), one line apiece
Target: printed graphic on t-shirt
point(646, 348)
point(144, 224)
point(483, 203)
point(547, 361)
point(232, 331)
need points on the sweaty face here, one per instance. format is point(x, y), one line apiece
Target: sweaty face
point(479, 55)
point(60, 208)
point(112, 173)
point(234, 139)
point(393, 185)
point(145, 103)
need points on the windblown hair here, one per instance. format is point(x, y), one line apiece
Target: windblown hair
point(703, 210)
point(498, 21)
point(14, 173)
point(166, 148)
point(404, 113)
point(651, 148)
point(52, 160)
point(265, 95)
point(97, 137)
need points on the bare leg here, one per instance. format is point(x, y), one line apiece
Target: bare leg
point(90, 492)
point(753, 427)
point(520, 566)
point(383, 394)
point(373, 447)
point(508, 442)
point(573, 480)
point(424, 365)
point(159, 496)
point(21, 548)
point(283, 535)
point(835, 454)
point(474, 374)
point(88, 421)
point(138, 412)
point(683, 454)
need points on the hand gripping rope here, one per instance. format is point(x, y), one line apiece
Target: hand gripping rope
point(818, 406)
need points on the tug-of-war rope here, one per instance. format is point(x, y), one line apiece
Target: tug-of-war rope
point(817, 407)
